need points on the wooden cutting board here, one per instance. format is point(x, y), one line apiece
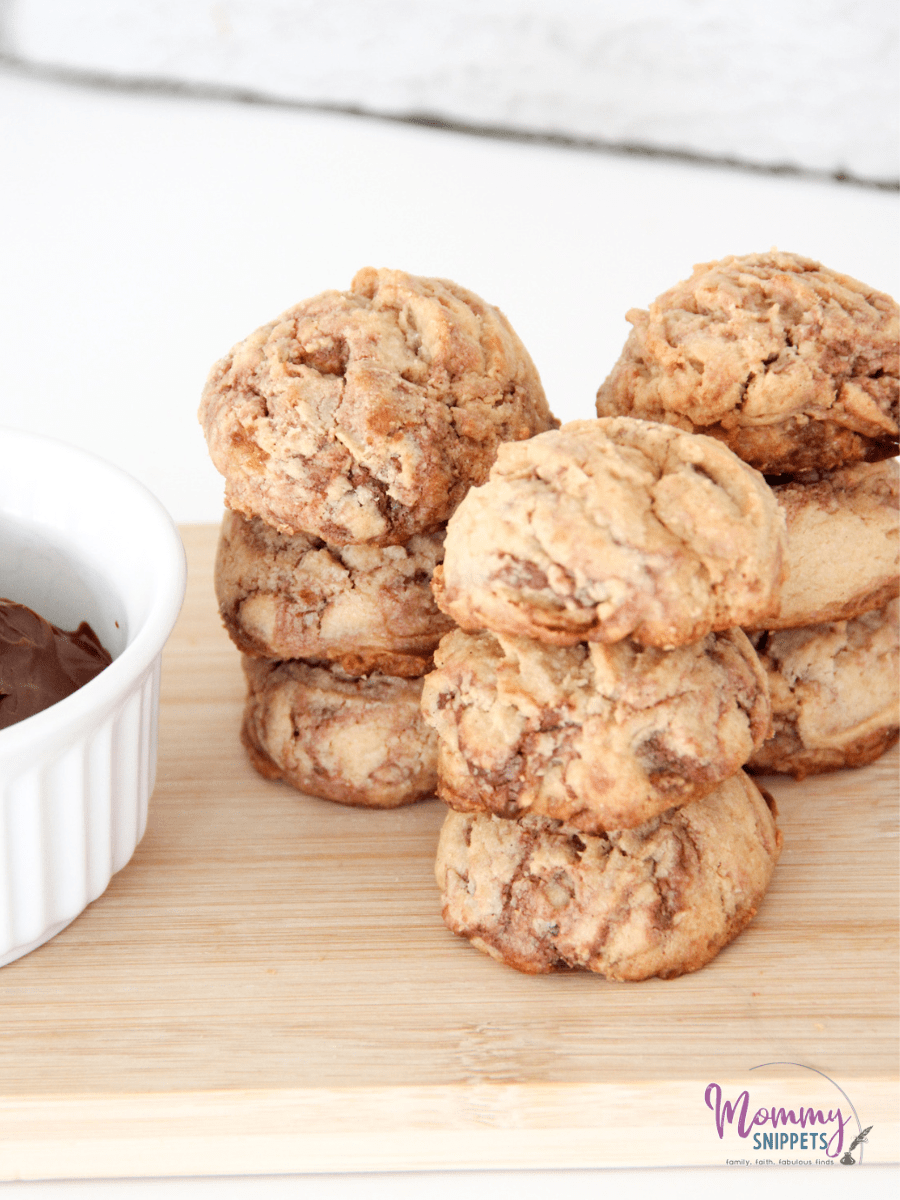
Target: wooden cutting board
point(268, 987)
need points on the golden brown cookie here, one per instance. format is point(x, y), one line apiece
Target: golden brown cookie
point(835, 694)
point(365, 416)
point(614, 528)
point(356, 741)
point(365, 608)
point(661, 899)
point(600, 737)
point(792, 365)
point(843, 547)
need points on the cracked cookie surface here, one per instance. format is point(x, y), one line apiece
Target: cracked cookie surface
point(365, 608)
point(364, 416)
point(843, 544)
point(600, 737)
point(661, 899)
point(835, 692)
point(614, 528)
point(360, 742)
point(792, 365)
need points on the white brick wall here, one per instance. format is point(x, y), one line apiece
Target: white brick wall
point(804, 83)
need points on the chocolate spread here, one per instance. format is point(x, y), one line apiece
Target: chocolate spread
point(40, 664)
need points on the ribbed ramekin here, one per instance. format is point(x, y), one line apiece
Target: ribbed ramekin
point(80, 540)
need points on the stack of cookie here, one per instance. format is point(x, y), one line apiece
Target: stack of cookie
point(832, 649)
point(795, 367)
point(597, 703)
point(348, 430)
point(335, 642)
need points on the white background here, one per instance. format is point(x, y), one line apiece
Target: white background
point(145, 233)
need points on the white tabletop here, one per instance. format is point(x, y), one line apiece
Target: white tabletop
point(144, 235)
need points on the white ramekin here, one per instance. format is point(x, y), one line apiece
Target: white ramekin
point(80, 540)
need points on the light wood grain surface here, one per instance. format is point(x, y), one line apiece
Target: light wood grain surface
point(268, 986)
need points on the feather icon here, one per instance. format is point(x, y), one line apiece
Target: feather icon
point(860, 1137)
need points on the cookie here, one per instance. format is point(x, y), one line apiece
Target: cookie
point(355, 741)
point(661, 899)
point(599, 737)
point(843, 546)
point(835, 694)
point(365, 416)
point(793, 366)
point(365, 608)
point(614, 528)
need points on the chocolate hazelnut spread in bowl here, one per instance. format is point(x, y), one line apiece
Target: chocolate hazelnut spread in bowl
point(82, 546)
point(40, 664)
